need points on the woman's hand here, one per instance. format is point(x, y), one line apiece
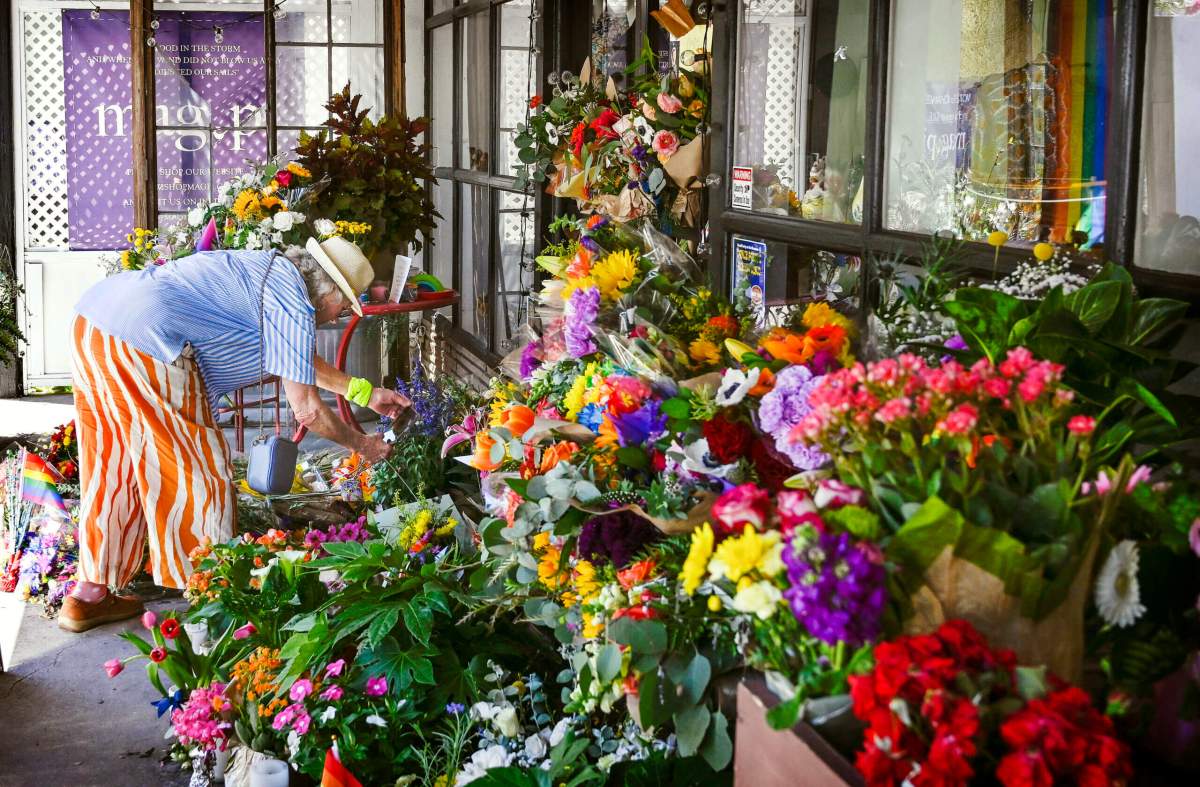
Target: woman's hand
point(388, 403)
point(374, 449)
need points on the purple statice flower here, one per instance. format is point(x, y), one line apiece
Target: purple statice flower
point(531, 358)
point(836, 588)
point(455, 708)
point(783, 408)
point(580, 314)
point(616, 538)
point(588, 243)
point(641, 426)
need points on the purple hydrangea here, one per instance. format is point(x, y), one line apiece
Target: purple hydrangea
point(580, 314)
point(783, 408)
point(617, 538)
point(836, 586)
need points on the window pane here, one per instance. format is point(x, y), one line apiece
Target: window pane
point(612, 39)
point(517, 237)
point(234, 151)
point(304, 21)
point(1009, 136)
point(1168, 230)
point(362, 67)
point(518, 77)
point(801, 107)
point(184, 169)
point(442, 5)
point(301, 85)
point(438, 259)
point(441, 100)
point(287, 139)
point(770, 279)
point(474, 228)
point(475, 148)
point(357, 21)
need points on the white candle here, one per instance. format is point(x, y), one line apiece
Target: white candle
point(198, 635)
point(269, 773)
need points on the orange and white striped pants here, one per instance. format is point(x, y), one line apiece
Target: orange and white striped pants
point(152, 462)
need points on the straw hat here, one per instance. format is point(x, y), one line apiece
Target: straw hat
point(345, 263)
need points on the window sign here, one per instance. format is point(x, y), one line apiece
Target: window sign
point(750, 277)
point(211, 90)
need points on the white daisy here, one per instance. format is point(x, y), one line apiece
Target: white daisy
point(1117, 595)
point(735, 384)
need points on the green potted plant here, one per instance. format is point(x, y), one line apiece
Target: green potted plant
point(374, 173)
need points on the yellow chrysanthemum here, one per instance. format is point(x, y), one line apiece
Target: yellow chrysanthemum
point(704, 352)
point(696, 564)
point(751, 551)
point(298, 170)
point(586, 583)
point(573, 401)
point(548, 568)
point(820, 314)
point(614, 273)
point(246, 205)
point(593, 626)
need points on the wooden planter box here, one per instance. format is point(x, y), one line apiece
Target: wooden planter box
point(765, 757)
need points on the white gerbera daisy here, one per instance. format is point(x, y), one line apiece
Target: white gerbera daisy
point(1117, 595)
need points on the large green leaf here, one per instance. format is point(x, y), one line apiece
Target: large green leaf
point(717, 749)
point(1095, 303)
point(691, 726)
point(985, 318)
point(1154, 316)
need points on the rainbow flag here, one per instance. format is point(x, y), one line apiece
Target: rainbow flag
point(38, 484)
point(336, 774)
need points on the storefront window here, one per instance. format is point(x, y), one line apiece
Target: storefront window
point(997, 119)
point(1168, 230)
point(801, 107)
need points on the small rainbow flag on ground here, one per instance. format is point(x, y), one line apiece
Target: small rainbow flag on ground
point(336, 774)
point(38, 483)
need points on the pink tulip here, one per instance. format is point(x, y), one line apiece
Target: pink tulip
point(669, 103)
point(245, 631)
point(149, 620)
point(114, 667)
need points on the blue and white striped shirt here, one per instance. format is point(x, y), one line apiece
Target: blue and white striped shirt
point(210, 300)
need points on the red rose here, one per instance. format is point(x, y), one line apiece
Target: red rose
point(772, 468)
point(577, 139)
point(728, 440)
point(284, 178)
point(603, 125)
point(535, 102)
point(158, 655)
point(169, 628)
point(658, 460)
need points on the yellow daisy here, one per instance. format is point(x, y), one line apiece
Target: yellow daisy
point(696, 564)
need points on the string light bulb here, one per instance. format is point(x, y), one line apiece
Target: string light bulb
point(278, 12)
point(95, 13)
point(151, 42)
point(154, 23)
point(218, 35)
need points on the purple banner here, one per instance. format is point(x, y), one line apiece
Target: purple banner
point(210, 98)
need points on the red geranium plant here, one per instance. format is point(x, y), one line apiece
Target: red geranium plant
point(938, 706)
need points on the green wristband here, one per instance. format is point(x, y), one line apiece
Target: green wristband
point(359, 391)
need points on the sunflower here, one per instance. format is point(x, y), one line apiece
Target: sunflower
point(270, 201)
point(298, 170)
point(246, 205)
point(614, 273)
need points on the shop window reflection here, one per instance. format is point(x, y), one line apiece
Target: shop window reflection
point(801, 106)
point(1012, 132)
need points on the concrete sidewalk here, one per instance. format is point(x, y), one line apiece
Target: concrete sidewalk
point(67, 724)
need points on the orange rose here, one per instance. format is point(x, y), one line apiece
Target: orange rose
point(637, 574)
point(517, 419)
point(788, 346)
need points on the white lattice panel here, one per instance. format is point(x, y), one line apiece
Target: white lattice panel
point(45, 131)
point(782, 70)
